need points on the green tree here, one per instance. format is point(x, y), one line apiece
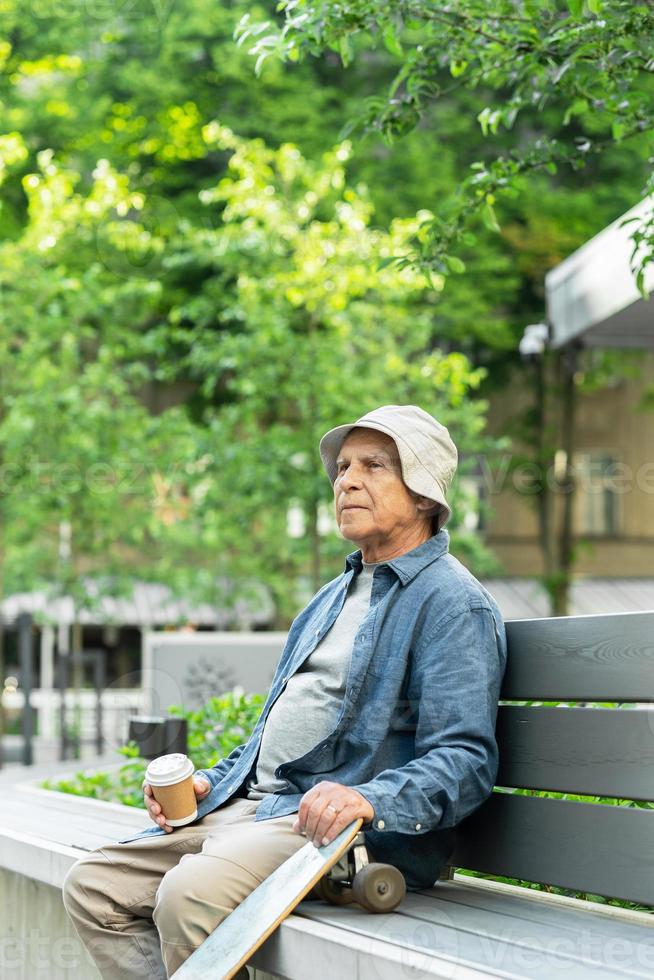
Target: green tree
point(74, 429)
point(557, 90)
point(302, 319)
point(136, 85)
point(577, 74)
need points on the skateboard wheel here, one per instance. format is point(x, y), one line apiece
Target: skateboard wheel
point(379, 887)
point(333, 892)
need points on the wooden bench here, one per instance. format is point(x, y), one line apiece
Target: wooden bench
point(467, 927)
point(470, 927)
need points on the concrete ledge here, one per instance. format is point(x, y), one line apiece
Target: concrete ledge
point(36, 858)
point(37, 939)
point(466, 928)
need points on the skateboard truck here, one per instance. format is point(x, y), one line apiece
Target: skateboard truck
point(355, 878)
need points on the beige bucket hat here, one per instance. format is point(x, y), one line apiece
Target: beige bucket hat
point(428, 456)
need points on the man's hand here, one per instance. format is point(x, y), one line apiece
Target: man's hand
point(327, 809)
point(200, 785)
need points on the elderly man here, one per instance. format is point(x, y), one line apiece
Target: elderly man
point(383, 706)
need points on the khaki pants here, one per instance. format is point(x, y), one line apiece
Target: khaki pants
point(141, 908)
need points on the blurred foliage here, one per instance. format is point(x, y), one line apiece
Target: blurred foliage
point(117, 786)
point(576, 73)
point(221, 725)
point(195, 283)
point(277, 312)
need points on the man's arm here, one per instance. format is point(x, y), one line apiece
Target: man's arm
point(455, 682)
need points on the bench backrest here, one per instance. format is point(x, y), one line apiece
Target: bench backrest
point(594, 751)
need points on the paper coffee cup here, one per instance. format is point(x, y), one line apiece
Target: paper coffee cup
point(171, 779)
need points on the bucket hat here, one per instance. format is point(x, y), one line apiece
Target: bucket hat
point(428, 456)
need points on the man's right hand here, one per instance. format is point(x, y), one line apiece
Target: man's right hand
point(200, 785)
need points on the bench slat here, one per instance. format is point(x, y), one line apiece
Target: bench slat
point(561, 842)
point(492, 940)
point(581, 658)
point(537, 906)
point(312, 950)
point(592, 751)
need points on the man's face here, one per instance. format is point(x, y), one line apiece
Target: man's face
point(373, 504)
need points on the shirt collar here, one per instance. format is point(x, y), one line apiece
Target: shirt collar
point(407, 566)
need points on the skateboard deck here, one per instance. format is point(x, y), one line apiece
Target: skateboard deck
point(240, 935)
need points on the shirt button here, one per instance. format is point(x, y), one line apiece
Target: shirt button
point(380, 824)
point(418, 826)
point(317, 632)
point(232, 787)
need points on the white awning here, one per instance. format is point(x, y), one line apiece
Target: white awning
point(592, 296)
point(525, 598)
point(148, 605)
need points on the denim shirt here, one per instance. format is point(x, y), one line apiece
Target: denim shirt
point(416, 730)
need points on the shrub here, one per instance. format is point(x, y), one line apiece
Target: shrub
point(214, 730)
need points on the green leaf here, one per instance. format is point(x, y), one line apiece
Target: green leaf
point(489, 218)
point(576, 7)
point(388, 260)
point(489, 119)
point(595, 6)
point(618, 129)
point(391, 42)
point(345, 50)
point(241, 29)
point(258, 65)
point(576, 108)
point(455, 264)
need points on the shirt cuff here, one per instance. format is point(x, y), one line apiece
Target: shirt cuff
point(381, 803)
point(206, 774)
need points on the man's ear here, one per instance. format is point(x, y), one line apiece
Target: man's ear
point(424, 503)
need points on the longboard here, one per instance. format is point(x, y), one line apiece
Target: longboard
point(240, 935)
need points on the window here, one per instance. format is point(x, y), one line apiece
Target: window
point(471, 500)
point(598, 476)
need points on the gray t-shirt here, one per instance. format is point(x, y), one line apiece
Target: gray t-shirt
point(308, 708)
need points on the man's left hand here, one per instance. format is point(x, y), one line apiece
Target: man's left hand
point(327, 809)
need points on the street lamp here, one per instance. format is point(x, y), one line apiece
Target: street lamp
point(534, 341)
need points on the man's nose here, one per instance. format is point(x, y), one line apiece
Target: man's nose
point(349, 477)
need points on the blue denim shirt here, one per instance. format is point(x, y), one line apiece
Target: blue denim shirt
point(416, 730)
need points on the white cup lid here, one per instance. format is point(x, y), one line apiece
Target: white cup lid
point(168, 769)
